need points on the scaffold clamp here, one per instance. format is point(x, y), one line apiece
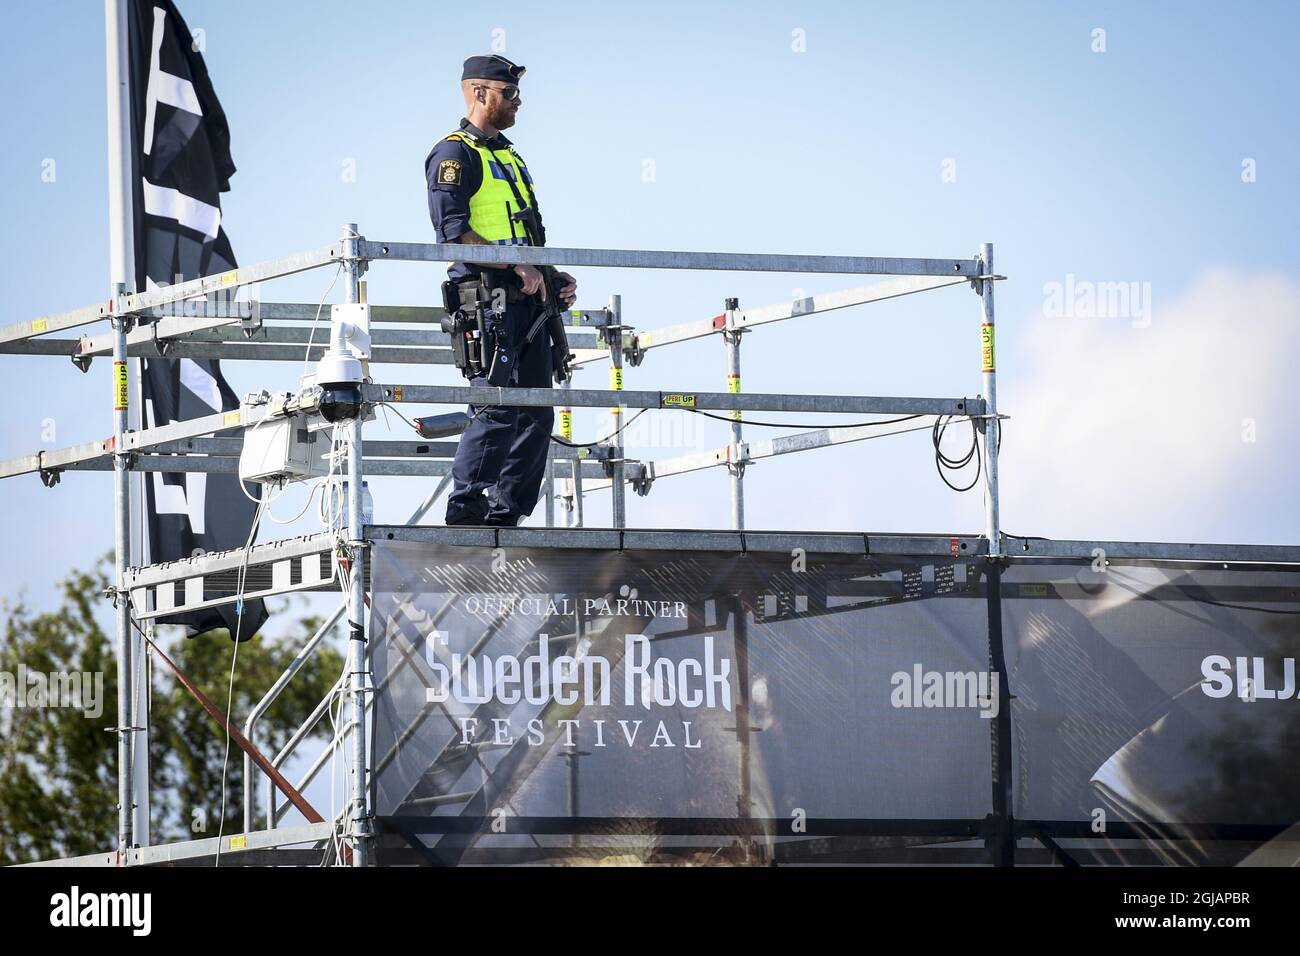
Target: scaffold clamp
point(252, 322)
point(162, 345)
point(81, 361)
point(633, 354)
point(643, 479)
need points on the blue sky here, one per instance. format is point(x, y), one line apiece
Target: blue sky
point(1117, 166)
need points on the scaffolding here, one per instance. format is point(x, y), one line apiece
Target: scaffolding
point(154, 325)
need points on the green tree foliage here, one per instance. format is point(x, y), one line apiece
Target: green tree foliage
point(58, 766)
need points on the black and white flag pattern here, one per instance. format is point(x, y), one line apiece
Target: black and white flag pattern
point(182, 163)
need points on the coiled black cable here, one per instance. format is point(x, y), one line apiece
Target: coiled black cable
point(942, 461)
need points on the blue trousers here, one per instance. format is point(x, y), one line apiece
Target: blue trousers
point(500, 462)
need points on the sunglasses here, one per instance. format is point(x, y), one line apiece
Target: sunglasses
point(508, 93)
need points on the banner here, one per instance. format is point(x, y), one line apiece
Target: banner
point(582, 706)
point(181, 155)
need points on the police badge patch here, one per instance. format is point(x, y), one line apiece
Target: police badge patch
point(449, 172)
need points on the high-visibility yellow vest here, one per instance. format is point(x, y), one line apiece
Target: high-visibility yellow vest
point(493, 204)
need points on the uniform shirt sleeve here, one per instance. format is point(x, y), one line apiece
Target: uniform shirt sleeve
point(452, 173)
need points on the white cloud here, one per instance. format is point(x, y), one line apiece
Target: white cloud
point(1129, 432)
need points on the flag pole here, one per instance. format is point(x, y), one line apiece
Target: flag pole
point(121, 244)
point(121, 254)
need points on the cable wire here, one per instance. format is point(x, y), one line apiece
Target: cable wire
point(944, 462)
point(314, 489)
point(399, 414)
point(599, 441)
point(241, 581)
point(312, 334)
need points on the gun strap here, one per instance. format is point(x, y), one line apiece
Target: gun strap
point(524, 208)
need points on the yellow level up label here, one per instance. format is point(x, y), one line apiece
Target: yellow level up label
point(986, 347)
point(121, 386)
point(678, 400)
point(616, 379)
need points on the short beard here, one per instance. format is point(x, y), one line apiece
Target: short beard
point(503, 118)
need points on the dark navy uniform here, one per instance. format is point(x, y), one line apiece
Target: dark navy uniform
point(501, 459)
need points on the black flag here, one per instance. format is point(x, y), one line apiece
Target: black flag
point(181, 156)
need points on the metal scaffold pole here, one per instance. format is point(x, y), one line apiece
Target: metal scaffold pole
point(744, 784)
point(735, 459)
point(359, 824)
point(572, 511)
point(615, 333)
point(548, 491)
point(121, 598)
point(1001, 839)
point(736, 470)
point(117, 56)
point(990, 426)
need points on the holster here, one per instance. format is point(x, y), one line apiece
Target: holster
point(476, 322)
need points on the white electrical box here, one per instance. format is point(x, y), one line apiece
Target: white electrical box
point(285, 448)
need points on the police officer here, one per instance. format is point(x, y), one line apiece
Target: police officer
point(481, 193)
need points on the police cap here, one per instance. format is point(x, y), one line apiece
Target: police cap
point(492, 67)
